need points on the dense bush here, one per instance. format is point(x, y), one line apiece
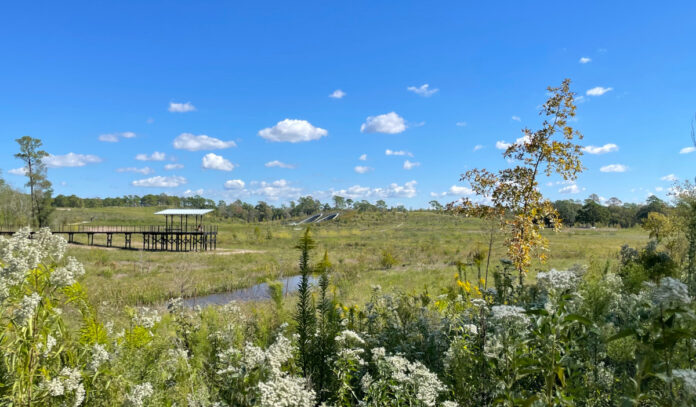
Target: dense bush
point(589, 336)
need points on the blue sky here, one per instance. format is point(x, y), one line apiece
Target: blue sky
point(103, 83)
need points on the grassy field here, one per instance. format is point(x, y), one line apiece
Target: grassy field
point(426, 245)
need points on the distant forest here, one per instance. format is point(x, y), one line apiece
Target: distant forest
point(15, 207)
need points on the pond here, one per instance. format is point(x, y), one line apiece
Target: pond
point(255, 292)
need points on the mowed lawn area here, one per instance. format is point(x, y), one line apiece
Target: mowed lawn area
point(426, 245)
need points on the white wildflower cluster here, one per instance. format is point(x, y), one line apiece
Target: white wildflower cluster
point(277, 388)
point(509, 316)
point(350, 350)
point(688, 379)
point(66, 275)
point(558, 281)
point(99, 356)
point(470, 329)
point(19, 254)
point(69, 382)
point(283, 390)
point(403, 379)
point(671, 293)
point(138, 394)
point(479, 303)
point(46, 348)
point(26, 309)
point(146, 317)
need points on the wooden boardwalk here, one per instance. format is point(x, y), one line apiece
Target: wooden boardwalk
point(154, 238)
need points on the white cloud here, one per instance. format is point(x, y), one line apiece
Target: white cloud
point(585, 60)
point(173, 166)
point(276, 190)
point(461, 124)
point(477, 147)
point(115, 137)
point(669, 177)
point(501, 145)
point(607, 148)
point(337, 94)
point(279, 164)
point(70, 160)
point(191, 192)
point(423, 90)
point(659, 189)
point(516, 118)
point(156, 156)
point(191, 142)
point(363, 157)
point(181, 107)
point(234, 184)
point(292, 131)
point(389, 123)
point(18, 171)
point(614, 168)
point(160, 182)
point(144, 170)
point(570, 189)
point(213, 161)
point(409, 164)
point(687, 150)
point(598, 91)
point(362, 169)
point(408, 190)
point(398, 153)
point(454, 190)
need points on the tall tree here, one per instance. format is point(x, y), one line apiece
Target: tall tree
point(513, 192)
point(39, 186)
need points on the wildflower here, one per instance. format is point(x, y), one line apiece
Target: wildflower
point(54, 387)
point(671, 293)
point(349, 336)
point(378, 353)
point(50, 343)
point(285, 391)
point(138, 394)
point(99, 356)
point(471, 329)
point(27, 307)
point(146, 318)
point(479, 302)
point(510, 316)
point(65, 276)
point(688, 378)
point(558, 281)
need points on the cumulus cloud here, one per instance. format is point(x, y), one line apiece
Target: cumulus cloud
point(144, 170)
point(234, 184)
point(213, 161)
point(409, 164)
point(477, 147)
point(389, 123)
point(363, 157)
point(115, 137)
point(156, 156)
point(181, 107)
point(614, 168)
point(598, 91)
point(570, 189)
point(70, 160)
point(18, 171)
point(173, 166)
point(292, 131)
point(607, 148)
point(669, 177)
point(191, 142)
point(276, 190)
point(516, 118)
point(160, 182)
point(337, 94)
point(398, 153)
point(192, 192)
point(502, 145)
point(454, 190)
point(408, 190)
point(687, 150)
point(279, 164)
point(423, 90)
point(585, 60)
point(362, 169)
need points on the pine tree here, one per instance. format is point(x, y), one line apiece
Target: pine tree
point(305, 316)
point(39, 187)
point(327, 329)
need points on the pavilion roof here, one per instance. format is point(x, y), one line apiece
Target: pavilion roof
point(184, 212)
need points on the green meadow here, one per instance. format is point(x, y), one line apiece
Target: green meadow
point(426, 246)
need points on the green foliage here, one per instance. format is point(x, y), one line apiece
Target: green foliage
point(387, 260)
